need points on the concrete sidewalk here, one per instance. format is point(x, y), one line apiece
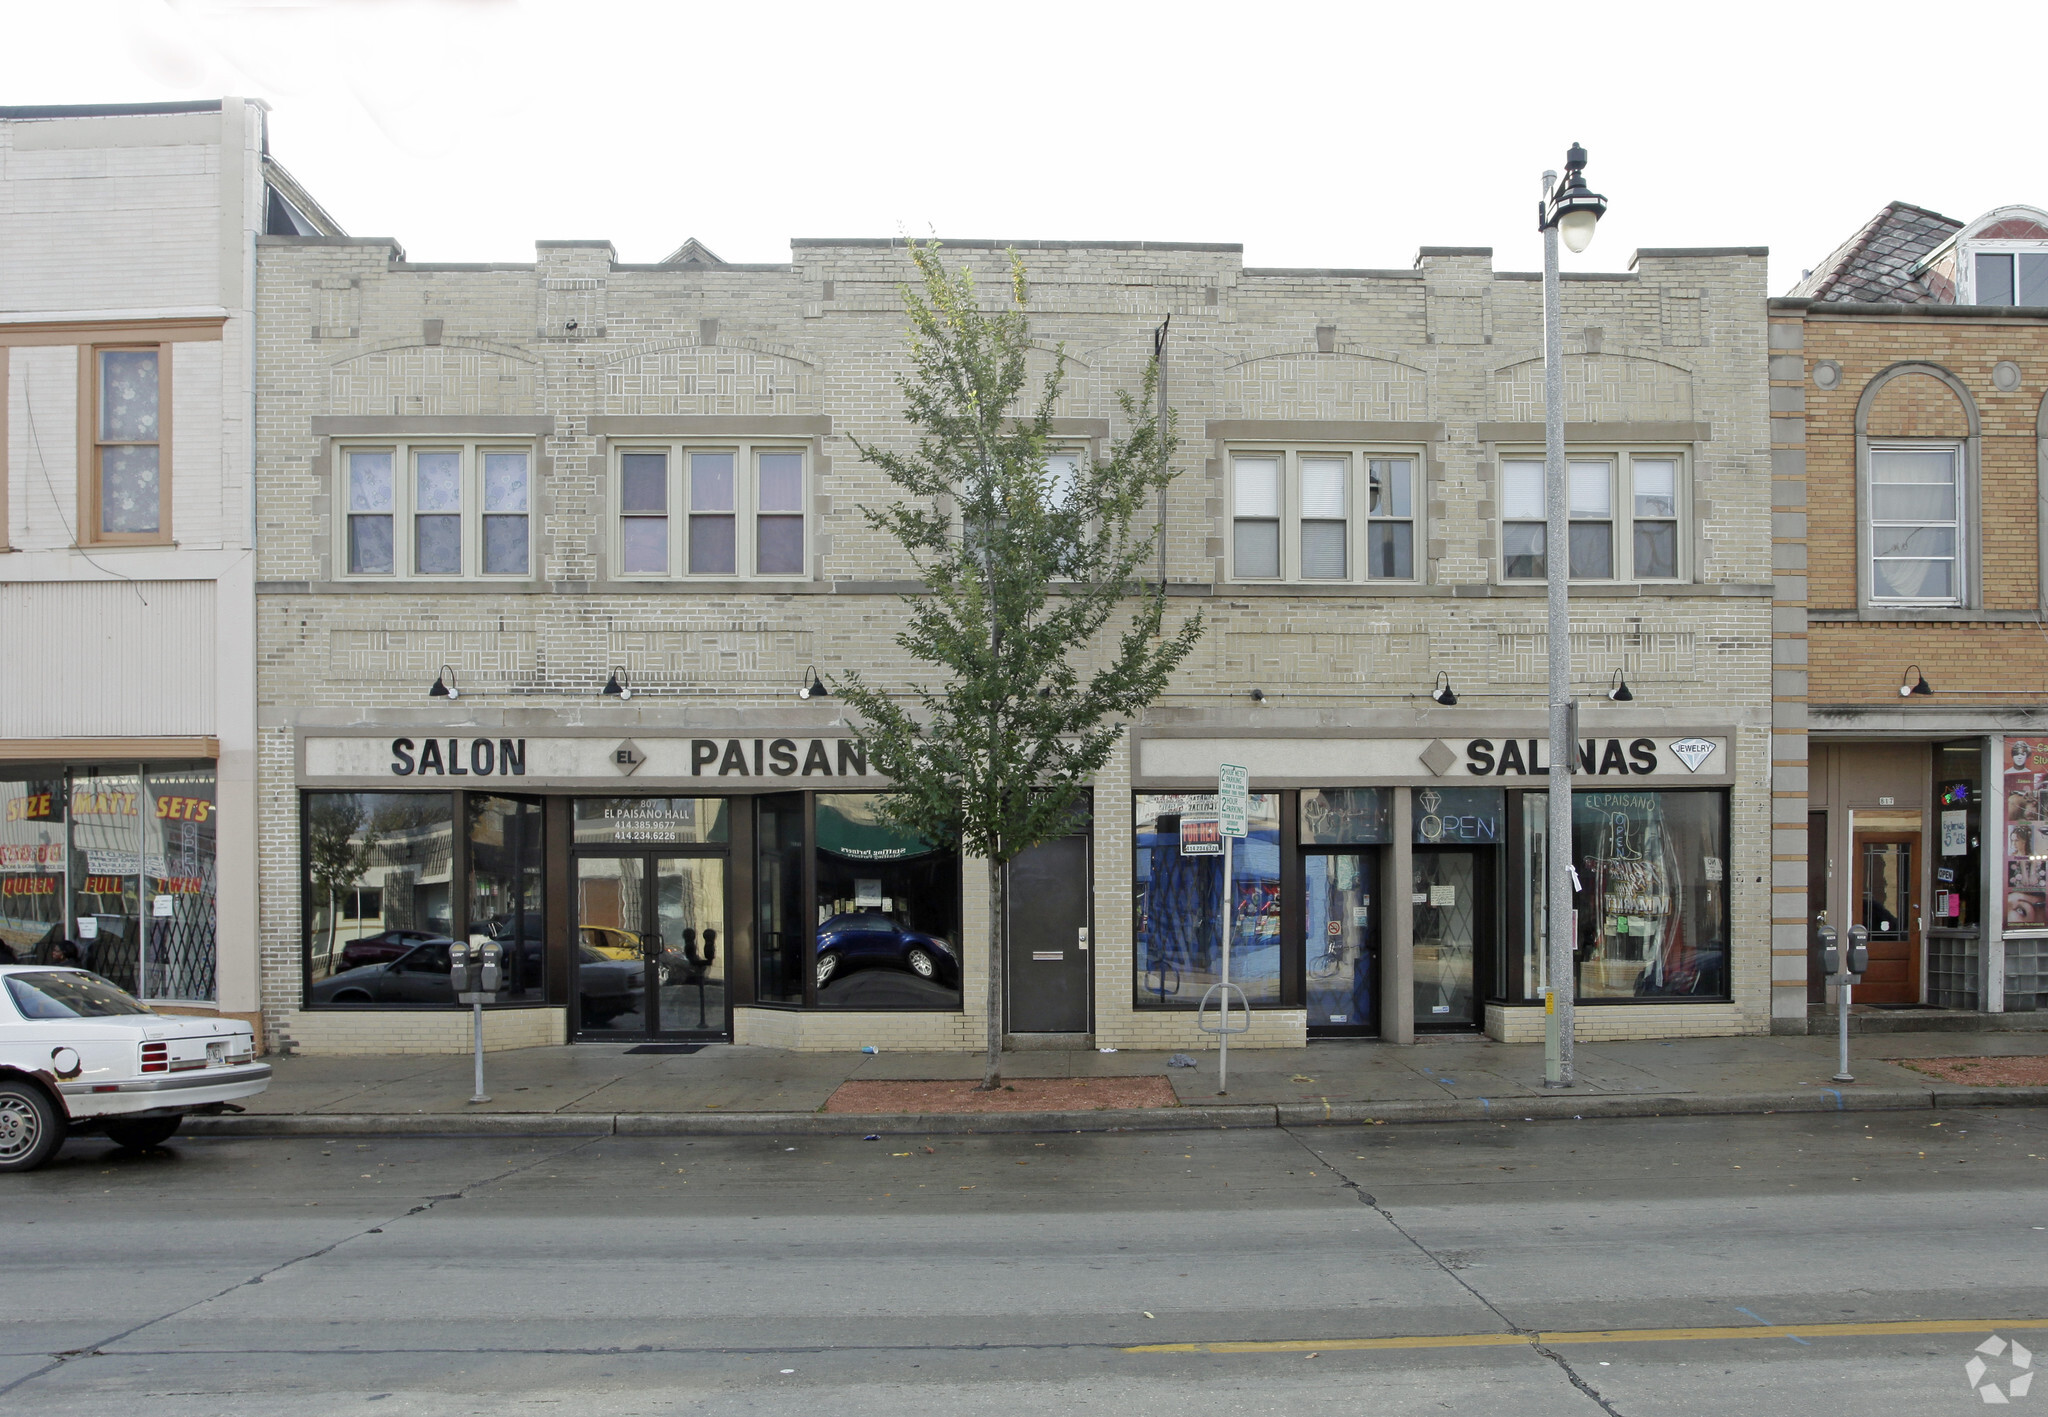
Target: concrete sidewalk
point(604, 1088)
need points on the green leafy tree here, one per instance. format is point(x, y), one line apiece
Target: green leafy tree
point(1044, 640)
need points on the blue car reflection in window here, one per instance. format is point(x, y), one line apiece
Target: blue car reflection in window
point(869, 957)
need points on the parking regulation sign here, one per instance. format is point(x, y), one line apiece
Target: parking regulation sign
point(1232, 789)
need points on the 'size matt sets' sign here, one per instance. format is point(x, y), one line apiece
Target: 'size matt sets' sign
point(707, 757)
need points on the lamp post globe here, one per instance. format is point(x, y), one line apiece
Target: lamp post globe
point(1576, 227)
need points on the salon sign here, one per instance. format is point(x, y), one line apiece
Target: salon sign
point(419, 759)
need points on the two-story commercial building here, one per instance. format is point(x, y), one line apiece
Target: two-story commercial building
point(1909, 431)
point(549, 551)
point(127, 576)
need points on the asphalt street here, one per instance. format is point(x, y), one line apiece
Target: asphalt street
point(1814, 1263)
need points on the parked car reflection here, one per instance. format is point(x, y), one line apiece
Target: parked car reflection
point(869, 940)
point(382, 947)
point(610, 990)
point(419, 976)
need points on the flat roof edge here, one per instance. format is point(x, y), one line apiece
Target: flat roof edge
point(106, 110)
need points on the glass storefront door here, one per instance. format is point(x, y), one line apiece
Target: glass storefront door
point(1452, 914)
point(650, 946)
point(1338, 936)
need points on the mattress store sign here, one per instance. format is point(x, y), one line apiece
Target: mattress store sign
point(416, 759)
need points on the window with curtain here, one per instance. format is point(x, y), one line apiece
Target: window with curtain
point(730, 511)
point(436, 512)
point(1916, 524)
point(1322, 513)
point(1624, 514)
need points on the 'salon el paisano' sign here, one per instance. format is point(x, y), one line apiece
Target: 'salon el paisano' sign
point(419, 759)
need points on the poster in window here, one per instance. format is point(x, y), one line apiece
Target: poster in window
point(2026, 833)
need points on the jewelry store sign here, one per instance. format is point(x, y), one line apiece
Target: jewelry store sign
point(416, 759)
point(1495, 759)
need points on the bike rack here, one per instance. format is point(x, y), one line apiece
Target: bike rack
point(1223, 1027)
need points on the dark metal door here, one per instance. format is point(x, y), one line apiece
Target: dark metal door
point(1047, 900)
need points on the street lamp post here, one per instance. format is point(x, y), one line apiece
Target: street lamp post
point(1570, 210)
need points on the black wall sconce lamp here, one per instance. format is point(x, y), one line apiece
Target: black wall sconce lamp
point(617, 687)
point(1258, 696)
point(816, 688)
point(444, 685)
point(1617, 688)
point(1442, 692)
point(1919, 684)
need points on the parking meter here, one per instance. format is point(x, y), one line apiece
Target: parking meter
point(459, 968)
point(1830, 950)
point(1859, 951)
point(490, 970)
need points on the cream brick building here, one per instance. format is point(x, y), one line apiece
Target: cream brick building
point(529, 483)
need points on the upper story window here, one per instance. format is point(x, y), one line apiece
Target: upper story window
point(1339, 515)
point(127, 482)
point(1624, 509)
point(1916, 523)
point(727, 510)
point(2013, 277)
point(445, 510)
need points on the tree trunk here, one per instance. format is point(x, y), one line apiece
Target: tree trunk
point(998, 951)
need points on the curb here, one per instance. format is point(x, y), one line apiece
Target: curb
point(1231, 1117)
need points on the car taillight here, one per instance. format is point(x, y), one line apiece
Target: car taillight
point(156, 1057)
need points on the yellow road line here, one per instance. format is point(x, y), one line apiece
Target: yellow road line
point(1564, 1337)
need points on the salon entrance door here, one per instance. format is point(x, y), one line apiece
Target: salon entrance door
point(650, 947)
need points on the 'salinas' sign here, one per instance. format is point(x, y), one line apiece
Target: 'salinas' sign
point(1597, 757)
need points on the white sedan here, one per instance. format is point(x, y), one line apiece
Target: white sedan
point(78, 1054)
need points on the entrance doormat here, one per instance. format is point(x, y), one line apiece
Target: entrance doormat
point(1982, 1072)
point(1017, 1095)
point(667, 1048)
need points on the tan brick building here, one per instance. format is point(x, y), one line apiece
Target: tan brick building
point(533, 484)
point(1907, 379)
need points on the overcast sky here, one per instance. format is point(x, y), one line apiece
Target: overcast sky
point(1315, 134)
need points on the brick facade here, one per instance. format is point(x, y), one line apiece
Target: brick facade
point(1443, 360)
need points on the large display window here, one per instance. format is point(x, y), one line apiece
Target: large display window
point(1179, 902)
point(112, 867)
point(1651, 897)
point(888, 911)
point(380, 898)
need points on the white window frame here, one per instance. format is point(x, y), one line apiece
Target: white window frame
point(1358, 516)
point(404, 550)
point(746, 453)
point(1960, 582)
point(1966, 275)
point(1620, 461)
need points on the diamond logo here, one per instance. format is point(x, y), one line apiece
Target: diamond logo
point(2016, 1385)
point(1692, 752)
point(627, 758)
point(1439, 757)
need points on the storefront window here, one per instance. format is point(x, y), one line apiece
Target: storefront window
point(1958, 806)
point(179, 823)
point(106, 888)
point(379, 897)
point(780, 966)
point(650, 821)
point(1653, 899)
point(2026, 834)
point(1346, 816)
point(888, 912)
point(1180, 902)
point(32, 892)
point(505, 884)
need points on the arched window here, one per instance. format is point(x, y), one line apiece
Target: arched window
point(1916, 496)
